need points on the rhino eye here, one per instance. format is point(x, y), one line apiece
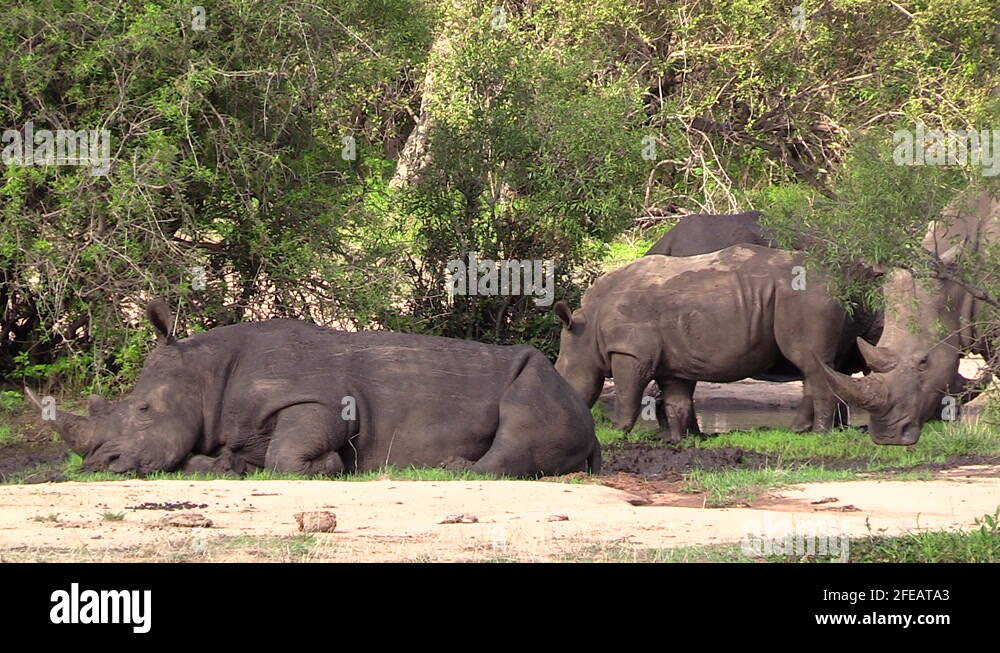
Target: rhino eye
point(143, 407)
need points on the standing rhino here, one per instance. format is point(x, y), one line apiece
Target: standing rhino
point(929, 323)
point(294, 397)
point(703, 233)
point(719, 317)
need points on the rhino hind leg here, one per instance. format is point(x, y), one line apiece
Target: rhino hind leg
point(675, 411)
point(305, 441)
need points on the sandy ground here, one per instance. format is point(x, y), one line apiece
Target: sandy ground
point(401, 520)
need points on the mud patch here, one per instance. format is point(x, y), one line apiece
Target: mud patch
point(657, 462)
point(648, 492)
point(34, 459)
point(653, 461)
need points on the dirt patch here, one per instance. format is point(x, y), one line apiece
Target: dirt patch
point(658, 462)
point(406, 520)
point(34, 457)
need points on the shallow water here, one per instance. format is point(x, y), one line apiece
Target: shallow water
point(722, 421)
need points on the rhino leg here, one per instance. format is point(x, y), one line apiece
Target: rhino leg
point(675, 412)
point(305, 441)
point(803, 416)
point(631, 379)
point(200, 464)
point(821, 404)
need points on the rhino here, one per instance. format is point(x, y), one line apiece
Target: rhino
point(701, 233)
point(705, 232)
point(291, 396)
point(929, 324)
point(721, 317)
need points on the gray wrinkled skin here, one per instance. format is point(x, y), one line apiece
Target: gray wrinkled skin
point(719, 317)
point(928, 325)
point(272, 395)
point(702, 233)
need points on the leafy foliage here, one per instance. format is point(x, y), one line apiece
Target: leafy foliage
point(266, 150)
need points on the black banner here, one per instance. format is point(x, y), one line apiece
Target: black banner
point(236, 603)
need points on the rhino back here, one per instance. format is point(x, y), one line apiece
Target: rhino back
point(704, 233)
point(709, 317)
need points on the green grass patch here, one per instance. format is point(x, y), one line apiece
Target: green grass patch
point(9, 436)
point(939, 442)
point(624, 251)
point(73, 472)
point(806, 457)
point(296, 545)
point(11, 402)
point(980, 544)
point(742, 486)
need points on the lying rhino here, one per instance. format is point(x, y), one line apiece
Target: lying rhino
point(293, 397)
point(718, 317)
point(929, 323)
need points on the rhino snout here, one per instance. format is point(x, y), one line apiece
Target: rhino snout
point(907, 434)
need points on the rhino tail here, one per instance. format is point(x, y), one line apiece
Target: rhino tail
point(594, 459)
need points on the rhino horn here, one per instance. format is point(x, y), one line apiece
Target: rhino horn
point(879, 359)
point(69, 426)
point(867, 392)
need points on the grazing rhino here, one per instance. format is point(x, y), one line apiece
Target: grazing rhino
point(290, 396)
point(929, 324)
point(721, 317)
point(701, 233)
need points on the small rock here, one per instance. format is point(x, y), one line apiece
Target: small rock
point(319, 521)
point(558, 518)
point(460, 519)
point(187, 520)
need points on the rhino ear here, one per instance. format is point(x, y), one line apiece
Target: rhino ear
point(159, 316)
point(564, 314)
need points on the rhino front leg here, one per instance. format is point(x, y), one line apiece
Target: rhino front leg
point(631, 378)
point(305, 441)
point(201, 464)
point(817, 394)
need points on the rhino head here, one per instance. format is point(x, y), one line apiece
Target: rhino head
point(904, 390)
point(580, 361)
point(915, 364)
point(152, 429)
